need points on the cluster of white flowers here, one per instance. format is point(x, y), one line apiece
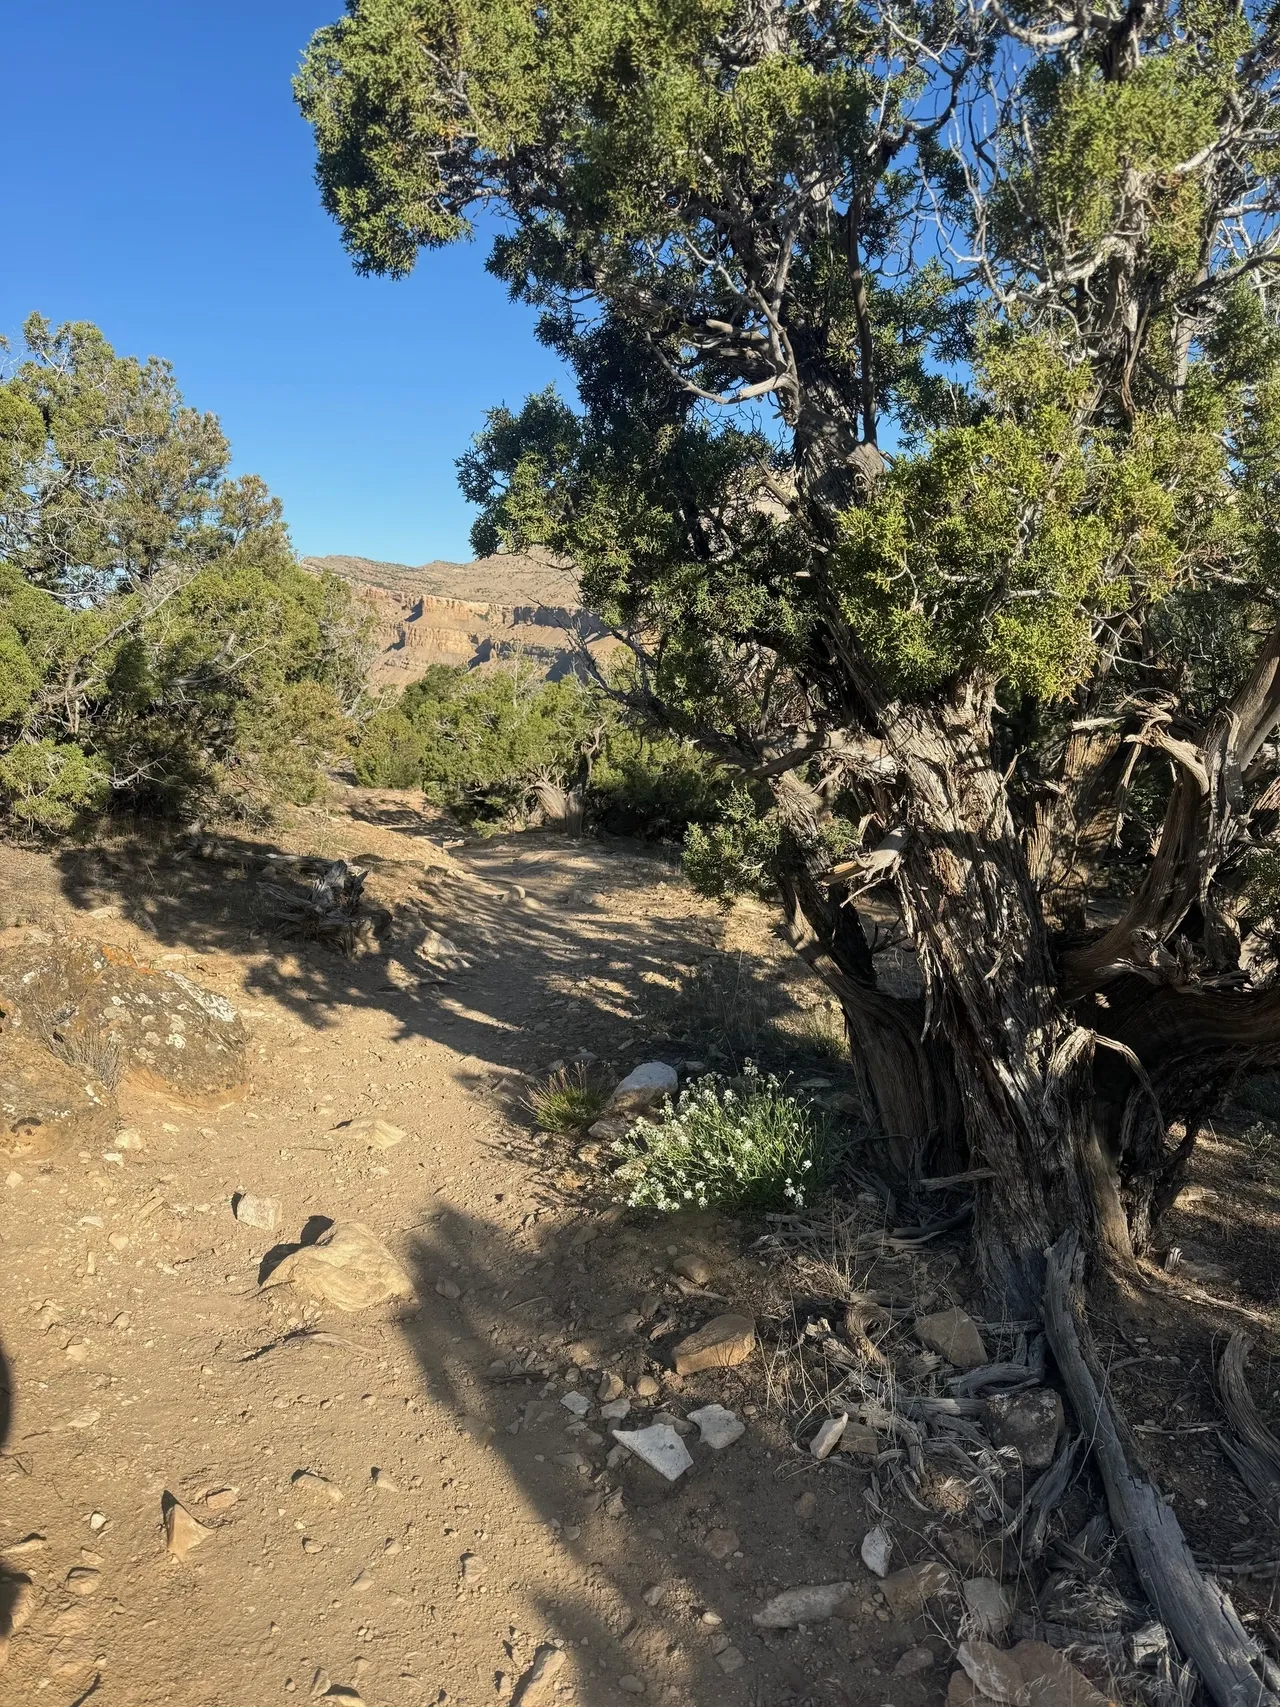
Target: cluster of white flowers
point(738, 1144)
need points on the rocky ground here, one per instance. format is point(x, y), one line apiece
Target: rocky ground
point(214, 1492)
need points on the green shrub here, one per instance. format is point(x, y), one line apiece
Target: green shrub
point(479, 742)
point(568, 1101)
point(742, 1145)
point(160, 648)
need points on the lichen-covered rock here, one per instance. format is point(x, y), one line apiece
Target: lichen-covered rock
point(47, 1105)
point(96, 1006)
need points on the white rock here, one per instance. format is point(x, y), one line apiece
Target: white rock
point(615, 1410)
point(877, 1550)
point(804, 1605)
point(989, 1607)
point(717, 1426)
point(253, 1211)
point(578, 1403)
point(827, 1438)
point(659, 1446)
point(643, 1087)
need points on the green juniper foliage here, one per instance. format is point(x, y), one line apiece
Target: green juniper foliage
point(160, 649)
point(925, 448)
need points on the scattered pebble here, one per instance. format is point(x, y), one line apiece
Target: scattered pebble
point(827, 1438)
point(182, 1532)
point(807, 1604)
point(660, 1447)
point(717, 1427)
point(876, 1551)
point(262, 1212)
point(578, 1403)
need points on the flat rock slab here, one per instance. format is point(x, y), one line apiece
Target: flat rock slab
point(989, 1607)
point(1032, 1674)
point(658, 1446)
point(723, 1343)
point(371, 1130)
point(157, 1029)
point(251, 1211)
point(348, 1266)
point(807, 1604)
point(718, 1427)
point(877, 1550)
point(644, 1086)
point(907, 1590)
point(860, 1441)
point(1029, 1422)
point(953, 1334)
point(828, 1436)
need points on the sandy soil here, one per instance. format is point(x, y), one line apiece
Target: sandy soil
point(145, 1360)
point(476, 1518)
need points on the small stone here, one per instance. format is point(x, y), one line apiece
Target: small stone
point(372, 1130)
point(990, 1609)
point(17, 1603)
point(615, 1410)
point(711, 1619)
point(807, 1604)
point(647, 1387)
point(723, 1343)
point(129, 1138)
point(13, 1179)
point(448, 1288)
point(1029, 1422)
point(720, 1544)
point(827, 1438)
point(630, 1685)
point(859, 1441)
point(613, 1505)
point(610, 1388)
point(609, 1129)
point(913, 1662)
point(578, 1403)
point(877, 1550)
point(362, 1583)
point(953, 1334)
point(22, 1549)
point(97, 1521)
point(806, 1505)
point(730, 1659)
point(717, 1427)
point(644, 1086)
point(993, 1672)
point(182, 1532)
point(660, 1447)
point(693, 1267)
point(537, 1685)
point(118, 1241)
point(907, 1590)
point(653, 1596)
point(220, 1499)
point(383, 1481)
point(83, 1580)
point(312, 1482)
point(250, 1211)
point(310, 1546)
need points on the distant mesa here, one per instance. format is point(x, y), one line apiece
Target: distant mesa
point(493, 612)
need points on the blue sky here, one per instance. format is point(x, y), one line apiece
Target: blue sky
point(156, 178)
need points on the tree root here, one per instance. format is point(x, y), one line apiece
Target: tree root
point(1197, 1611)
point(1254, 1450)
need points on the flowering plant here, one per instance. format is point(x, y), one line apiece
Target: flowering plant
point(740, 1144)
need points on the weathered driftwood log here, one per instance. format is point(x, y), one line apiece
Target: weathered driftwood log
point(1196, 1611)
point(1254, 1451)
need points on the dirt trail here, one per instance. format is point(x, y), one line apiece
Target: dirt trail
point(472, 1525)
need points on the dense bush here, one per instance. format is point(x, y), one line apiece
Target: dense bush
point(736, 1144)
point(479, 742)
point(160, 648)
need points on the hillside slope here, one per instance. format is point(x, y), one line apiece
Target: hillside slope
point(492, 611)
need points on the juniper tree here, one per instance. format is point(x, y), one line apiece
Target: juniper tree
point(925, 452)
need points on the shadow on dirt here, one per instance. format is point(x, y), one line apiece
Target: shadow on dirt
point(656, 1578)
point(511, 951)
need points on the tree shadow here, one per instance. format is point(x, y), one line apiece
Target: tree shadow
point(523, 947)
point(654, 1578)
